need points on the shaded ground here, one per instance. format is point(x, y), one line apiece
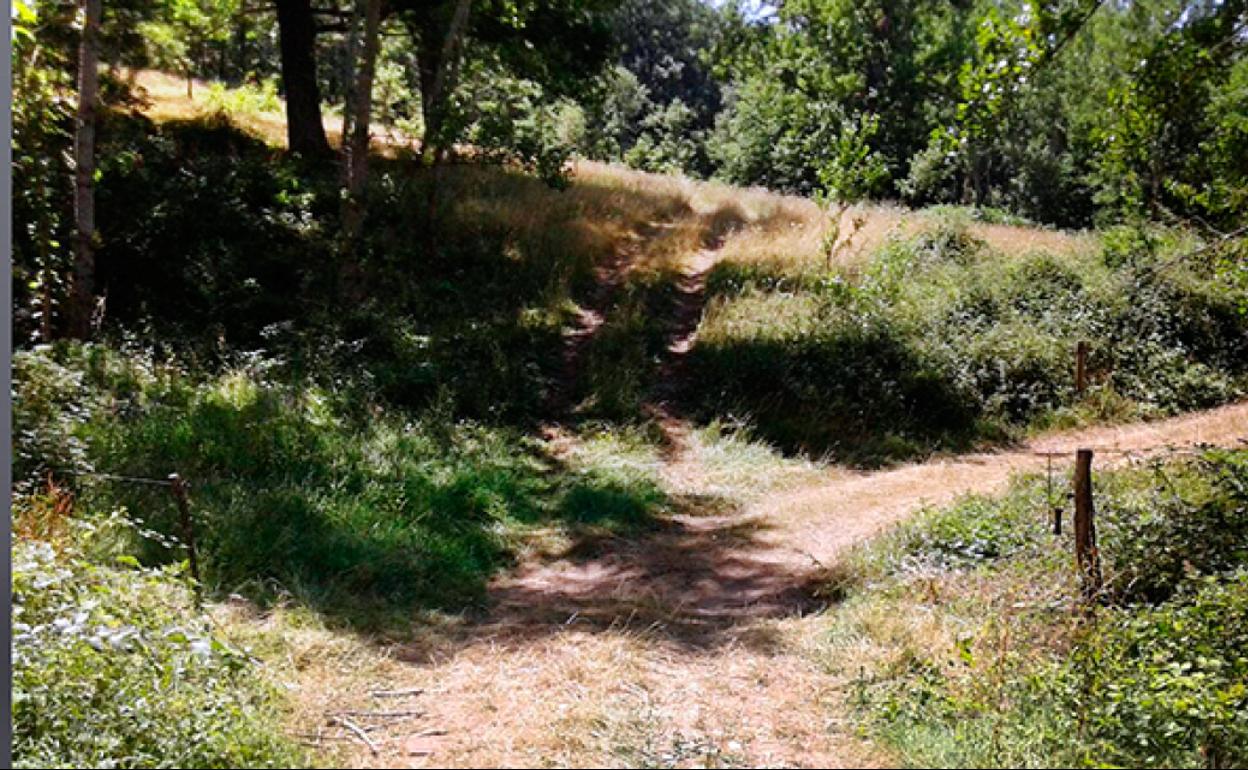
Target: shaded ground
point(701, 576)
point(588, 321)
point(688, 645)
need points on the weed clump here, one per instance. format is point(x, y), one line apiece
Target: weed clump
point(112, 663)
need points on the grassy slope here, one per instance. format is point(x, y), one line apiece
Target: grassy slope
point(356, 485)
point(945, 337)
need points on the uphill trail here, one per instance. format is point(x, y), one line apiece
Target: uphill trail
point(691, 645)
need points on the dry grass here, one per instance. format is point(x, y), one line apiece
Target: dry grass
point(667, 218)
point(45, 516)
point(325, 672)
point(570, 697)
point(638, 196)
point(1013, 239)
point(727, 464)
point(643, 676)
point(165, 98)
point(998, 616)
point(792, 238)
point(678, 216)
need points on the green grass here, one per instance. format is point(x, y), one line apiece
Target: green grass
point(937, 341)
point(964, 645)
point(357, 511)
point(623, 363)
point(359, 434)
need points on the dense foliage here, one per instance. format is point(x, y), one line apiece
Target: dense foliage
point(1000, 103)
point(113, 665)
point(655, 109)
point(941, 340)
point(1064, 111)
point(1153, 679)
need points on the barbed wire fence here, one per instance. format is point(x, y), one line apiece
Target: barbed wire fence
point(1087, 553)
point(179, 489)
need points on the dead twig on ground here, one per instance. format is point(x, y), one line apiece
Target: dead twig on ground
point(404, 693)
point(381, 714)
point(358, 732)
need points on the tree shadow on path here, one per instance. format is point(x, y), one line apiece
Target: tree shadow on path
point(696, 581)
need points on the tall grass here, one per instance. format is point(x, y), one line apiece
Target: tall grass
point(965, 645)
point(469, 304)
point(236, 251)
point(359, 512)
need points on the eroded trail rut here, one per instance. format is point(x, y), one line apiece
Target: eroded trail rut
point(691, 645)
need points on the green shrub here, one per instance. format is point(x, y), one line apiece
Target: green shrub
point(48, 407)
point(977, 530)
point(1187, 527)
point(114, 667)
point(1154, 677)
point(1168, 687)
point(938, 342)
point(245, 100)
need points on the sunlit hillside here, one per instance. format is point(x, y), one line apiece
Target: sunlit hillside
point(490, 454)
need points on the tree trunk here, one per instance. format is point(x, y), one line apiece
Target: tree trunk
point(304, 129)
point(439, 70)
point(348, 101)
point(82, 292)
point(241, 26)
point(362, 109)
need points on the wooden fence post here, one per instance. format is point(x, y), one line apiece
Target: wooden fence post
point(1086, 555)
point(188, 526)
point(1055, 509)
point(1081, 366)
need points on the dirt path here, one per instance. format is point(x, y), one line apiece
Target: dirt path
point(588, 321)
point(862, 504)
point(690, 646)
point(664, 408)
